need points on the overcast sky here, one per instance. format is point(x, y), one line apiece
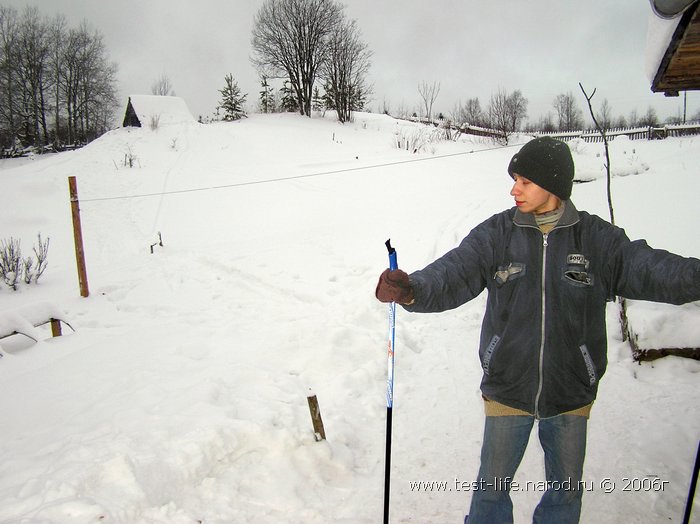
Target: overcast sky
point(472, 48)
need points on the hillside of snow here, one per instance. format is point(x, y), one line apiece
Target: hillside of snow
point(181, 396)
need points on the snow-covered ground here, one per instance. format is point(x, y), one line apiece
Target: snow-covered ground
point(181, 397)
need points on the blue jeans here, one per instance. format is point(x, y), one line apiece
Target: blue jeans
point(563, 439)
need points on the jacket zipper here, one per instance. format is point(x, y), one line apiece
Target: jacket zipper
point(542, 327)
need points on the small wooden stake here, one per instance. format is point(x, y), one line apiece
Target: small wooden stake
point(55, 327)
point(319, 432)
point(78, 237)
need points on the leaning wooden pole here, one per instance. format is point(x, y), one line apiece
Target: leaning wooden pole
point(78, 237)
point(319, 431)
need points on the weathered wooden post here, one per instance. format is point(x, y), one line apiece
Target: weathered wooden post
point(78, 237)
point(319, 432)
point(56, 327)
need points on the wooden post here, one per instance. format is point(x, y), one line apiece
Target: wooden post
point(319, 432)
point(78, 237)
point(55, 327)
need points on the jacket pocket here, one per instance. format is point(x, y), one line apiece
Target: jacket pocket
point(510, 272)
point(488, 354)
point(590, 368)
point(577, 271)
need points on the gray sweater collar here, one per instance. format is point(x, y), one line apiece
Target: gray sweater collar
point(569, 218)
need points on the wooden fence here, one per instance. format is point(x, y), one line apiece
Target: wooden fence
point(633, 133)
point(588, 135)
point(38, 150)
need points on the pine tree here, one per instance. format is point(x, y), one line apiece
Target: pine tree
point(267, 99)
point(328, 96)
point(289, 100)
point(232, 100)
point(317, 101)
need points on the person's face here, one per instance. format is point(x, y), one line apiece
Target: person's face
point(531, 198)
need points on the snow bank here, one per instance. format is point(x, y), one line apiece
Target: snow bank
point(24, 319)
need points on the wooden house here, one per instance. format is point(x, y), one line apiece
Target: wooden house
point(679, 62)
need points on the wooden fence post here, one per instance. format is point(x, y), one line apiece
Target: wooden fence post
point(319, 432)
point(56, 327)
point(78, 237)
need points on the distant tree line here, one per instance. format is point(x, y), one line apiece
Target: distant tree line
point(308, 41)
point(57, 86)
point(506, 113)
point(505, 109)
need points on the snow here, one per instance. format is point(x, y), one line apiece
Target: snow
point(160, 110)
point(24, 319)
point(181, 396)
point(659, 33)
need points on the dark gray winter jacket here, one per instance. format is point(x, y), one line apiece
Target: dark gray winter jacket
point(543, 340)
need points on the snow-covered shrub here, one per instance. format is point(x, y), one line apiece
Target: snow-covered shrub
point(155, 122)
point(130, 158)
point(28, 269)
point(13, 267)
point(10, 261)
point(41, 252)
point(415, 139)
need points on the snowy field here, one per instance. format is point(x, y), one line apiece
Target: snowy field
point(181, 397)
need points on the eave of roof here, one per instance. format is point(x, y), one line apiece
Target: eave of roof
point(679, 69)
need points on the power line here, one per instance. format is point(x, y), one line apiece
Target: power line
point(296, 177)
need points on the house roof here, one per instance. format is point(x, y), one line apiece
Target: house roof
point(159, 110)
point(679, 66)
point(670, 8)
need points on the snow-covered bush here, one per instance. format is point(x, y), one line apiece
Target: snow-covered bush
point(154, 124)
point(10, 261)
point(13, 267)
point(130, 158)
point(416, 139)
point(41, 252)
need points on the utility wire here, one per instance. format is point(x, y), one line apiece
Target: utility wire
point(296, 177)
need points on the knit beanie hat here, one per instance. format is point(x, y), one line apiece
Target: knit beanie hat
point(547, 162)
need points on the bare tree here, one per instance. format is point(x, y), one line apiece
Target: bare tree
point(568, 113)
point(469, 113)
point(517, 109)
point(546, 124)
point(429, 93)
point(87, 83)
point(473, 113)
point(290, 39)
point(650, 119)
point(506, 113)
point(345, 70)
point(604, 115)
point(601, 129)
point(57, 34)
point(32, 66)
point(162, 86)
point(633, 120)
point(8, 74)
point(54, 83)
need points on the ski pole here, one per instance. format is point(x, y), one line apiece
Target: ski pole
point(393, 264)
point(691, 491)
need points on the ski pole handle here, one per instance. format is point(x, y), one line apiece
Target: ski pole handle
point(393, 264)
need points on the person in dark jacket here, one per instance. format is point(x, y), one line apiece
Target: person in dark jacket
point(549, 270)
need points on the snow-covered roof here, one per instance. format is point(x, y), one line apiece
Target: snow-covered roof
point(159, 110)
point(659, 34)
point(670, 8)
point(672, 57)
